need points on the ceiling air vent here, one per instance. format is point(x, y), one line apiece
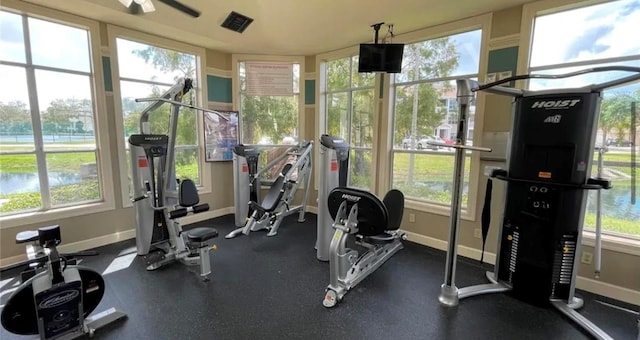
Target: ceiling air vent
point(237, 22)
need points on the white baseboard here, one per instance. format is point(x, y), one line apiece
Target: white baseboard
point(116, 237)
point(439, 244)
point(586, 284)
point(608, 290)
point(312, 209)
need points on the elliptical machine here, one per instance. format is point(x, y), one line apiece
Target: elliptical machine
point(334, 171)
point(277, 203)
point(549, 164)
point(56, 302)
point(246, 182)
point(157, 203)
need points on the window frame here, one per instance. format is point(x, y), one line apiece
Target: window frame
point(114, 32)
point(102, 151)
point(482, 22)
point(324, 92)
point(321, 109)
point(619, 243)
point(236, 91)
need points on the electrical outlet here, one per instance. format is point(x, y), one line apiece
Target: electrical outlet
point(587, 257)
point(477, 233)
point(412, 217)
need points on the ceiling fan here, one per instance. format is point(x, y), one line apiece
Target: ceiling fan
point(146, 6)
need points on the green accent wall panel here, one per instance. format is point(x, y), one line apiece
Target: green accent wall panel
point(219, 89)
point(504, 59)
point(309, 92)
point(106, 68)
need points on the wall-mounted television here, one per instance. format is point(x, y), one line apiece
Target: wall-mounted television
point(380, 58)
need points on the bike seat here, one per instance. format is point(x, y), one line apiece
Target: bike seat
point(27, 236)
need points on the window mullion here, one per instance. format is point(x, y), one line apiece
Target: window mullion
point(36, 124)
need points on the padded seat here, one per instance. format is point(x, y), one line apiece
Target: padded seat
point(380, 238)
point(202, 234)
point(27, 236)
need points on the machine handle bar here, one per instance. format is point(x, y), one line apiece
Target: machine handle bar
point(156, 99)
point(567, 75)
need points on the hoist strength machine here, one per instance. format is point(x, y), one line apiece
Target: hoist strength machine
point(278, 201)
point(548, 167)
point(246, 182)
point(157, 203)
point(334, 171)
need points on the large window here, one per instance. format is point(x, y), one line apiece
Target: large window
point(596, 36)
point(350, 99)
point(269, 113)
point(48, 153)
point(147, 70)
point(425, 109)
point(265, 118)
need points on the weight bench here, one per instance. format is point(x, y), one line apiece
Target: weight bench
point(374, 224)
point(274, 207)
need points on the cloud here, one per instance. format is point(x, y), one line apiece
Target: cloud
point(588, 42)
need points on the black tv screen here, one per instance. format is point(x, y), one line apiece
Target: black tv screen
point(380, 58)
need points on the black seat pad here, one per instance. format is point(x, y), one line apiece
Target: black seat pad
point(380, 238)
point(373, 218)
point(201, 234)
point(27, 236)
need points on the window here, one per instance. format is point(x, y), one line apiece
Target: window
point(350, 98)
point(269, 115)
point(48, 153)
point(146, 70)
point(599, 37)
point(425, 108)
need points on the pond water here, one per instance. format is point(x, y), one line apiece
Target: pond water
point(12, 183)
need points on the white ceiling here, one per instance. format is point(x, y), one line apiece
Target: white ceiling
point(283, 27)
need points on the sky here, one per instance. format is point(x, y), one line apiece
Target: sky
point(601, 31)
point(69, 50)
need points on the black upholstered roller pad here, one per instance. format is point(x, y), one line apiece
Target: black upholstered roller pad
point(202, 234)
point(394, 201)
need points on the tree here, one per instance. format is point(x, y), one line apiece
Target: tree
point(62, 113)
point(429, 59)
point(15, 118)
point(615, 113)
point(181, 65)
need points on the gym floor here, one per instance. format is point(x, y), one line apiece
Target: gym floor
point(272, 288)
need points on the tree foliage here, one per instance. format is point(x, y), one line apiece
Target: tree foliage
point(615, 113)
point(417, 110)
point(181, 65)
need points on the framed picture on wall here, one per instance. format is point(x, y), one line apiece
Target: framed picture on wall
point(220, 136)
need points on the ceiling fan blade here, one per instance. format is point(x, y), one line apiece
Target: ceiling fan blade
point(147, 6)
point(126, 3)
point(181, 7)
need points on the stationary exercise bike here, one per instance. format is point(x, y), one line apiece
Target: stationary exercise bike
point(56, 302)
